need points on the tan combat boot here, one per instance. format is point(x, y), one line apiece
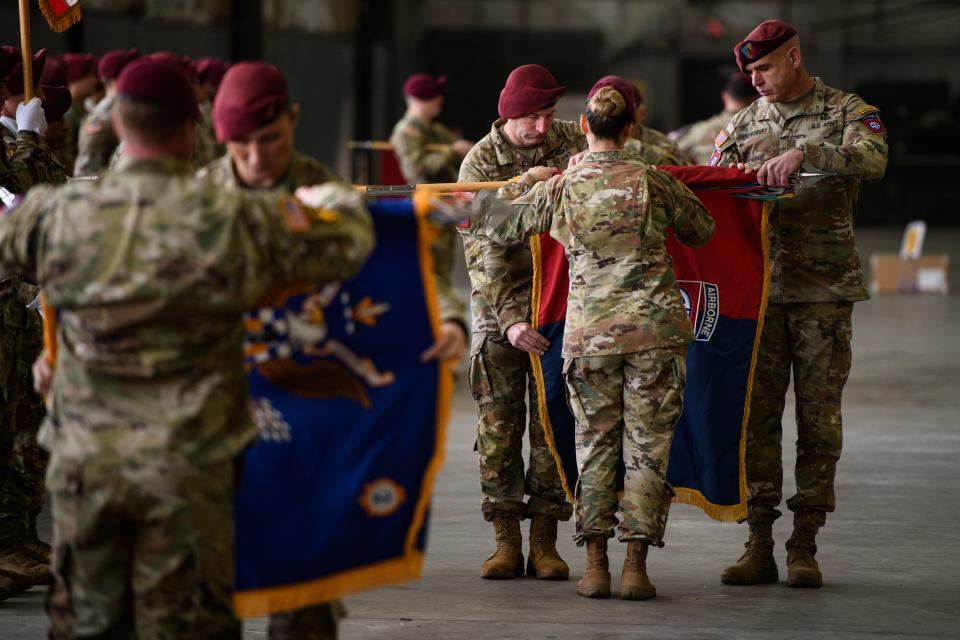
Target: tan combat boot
point(543, 561)
point(634, 582)
point(802, 567)
point(15, 562)
point(507, 561)
point(595, 582)
point(756, 565)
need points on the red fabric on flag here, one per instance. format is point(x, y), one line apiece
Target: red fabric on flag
point(60, 14)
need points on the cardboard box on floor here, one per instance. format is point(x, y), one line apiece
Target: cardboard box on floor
point(910, 271)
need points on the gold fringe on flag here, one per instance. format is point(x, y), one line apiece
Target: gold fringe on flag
point(60, 14)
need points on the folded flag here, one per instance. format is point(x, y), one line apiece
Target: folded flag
point(335, 492)
point(723, 285)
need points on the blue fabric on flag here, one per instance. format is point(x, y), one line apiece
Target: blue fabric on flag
point(335, 491)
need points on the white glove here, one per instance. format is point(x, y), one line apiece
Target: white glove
point(30, 117)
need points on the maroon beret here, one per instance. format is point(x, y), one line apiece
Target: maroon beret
point(768, 35)
point(210, 70)
point(251, 95)
point(54, 72)
point(625, 88)
point(79, 66)
point(184, 62)
point(160, 83)
point(113, 62)
point(529, 88)
point(15, 79)
point(56, 102)
point(423, 86)
point(9, 59)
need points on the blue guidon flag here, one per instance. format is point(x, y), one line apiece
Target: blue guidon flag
point(723, 285)
point(335, 492)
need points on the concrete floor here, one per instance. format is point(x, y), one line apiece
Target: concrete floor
point(890, 554)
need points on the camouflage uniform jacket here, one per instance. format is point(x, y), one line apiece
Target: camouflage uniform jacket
point(697, 141)
point(25, 160)
point(207, 150)
point(72, 120)
point(493, 158)
point(654, 155)
point(611, 212)
point(304, 171)
point(419, 164)
point(813, 254)
point(97, 140)
point(151, 270)
point(651, 137)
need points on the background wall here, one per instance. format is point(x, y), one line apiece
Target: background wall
point(346, 61)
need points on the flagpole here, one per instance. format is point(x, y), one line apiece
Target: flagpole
point(26, 50)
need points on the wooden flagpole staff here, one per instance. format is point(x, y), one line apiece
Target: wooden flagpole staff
point(383, 145)
point(26, 50)
point(374, 191)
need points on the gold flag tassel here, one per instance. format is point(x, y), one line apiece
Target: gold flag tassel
point(60, 14)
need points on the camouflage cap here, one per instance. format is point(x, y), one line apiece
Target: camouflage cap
point(764, 39)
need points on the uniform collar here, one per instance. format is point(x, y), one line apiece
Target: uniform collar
point(286, 184)
point(164, 165)
point(609, 156)
point(508, 154)
point(810, 103)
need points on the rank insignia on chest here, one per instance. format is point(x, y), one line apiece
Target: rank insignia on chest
point(722, 137)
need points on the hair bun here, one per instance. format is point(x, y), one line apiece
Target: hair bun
point(607, 103)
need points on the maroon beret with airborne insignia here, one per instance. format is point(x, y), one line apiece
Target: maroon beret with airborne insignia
point(766, 37)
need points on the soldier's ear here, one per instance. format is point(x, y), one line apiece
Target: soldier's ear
point(584, 126)
point(294, 113)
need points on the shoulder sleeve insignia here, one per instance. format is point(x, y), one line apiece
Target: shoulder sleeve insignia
point(873, 123)
point(715, 158)
point(722, 137)
point(866, 109)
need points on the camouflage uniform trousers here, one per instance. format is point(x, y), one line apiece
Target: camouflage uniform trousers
point(142, 549)
point(22, 496)
point(318, 622)
point(501, 380)
point(626, 407)
point(812, 338)
point(22, 462)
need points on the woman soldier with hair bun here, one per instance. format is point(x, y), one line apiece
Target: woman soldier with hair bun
point(626, 331)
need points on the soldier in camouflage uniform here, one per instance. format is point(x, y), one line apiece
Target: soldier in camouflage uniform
point(697, 140)
point(411, 139)
point(255, 120)
point(81, 72)
point(97, 140)
point(815, 277)
point(525, 136)
point(626, 329)
point(27, 159)
point(653, 146)
point(149, 411)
